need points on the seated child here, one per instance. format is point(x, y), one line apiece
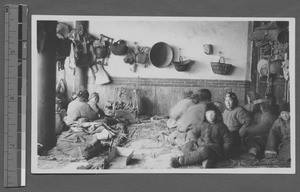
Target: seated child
point(279, 137)
point(214, 143)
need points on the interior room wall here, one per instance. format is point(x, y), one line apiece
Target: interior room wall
point(229, 39)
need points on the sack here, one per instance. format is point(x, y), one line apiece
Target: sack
point(129, 58)
point(136, 57)
point(77, 145)
point(100, 52)
point(281, 36)
point(119, 48)
point(101, 49)
point(63, 44)
point(84, 59)
point(63, 48)
point(82, 49)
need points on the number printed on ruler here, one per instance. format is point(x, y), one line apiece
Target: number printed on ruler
point(15, 100)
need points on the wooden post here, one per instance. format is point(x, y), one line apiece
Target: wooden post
point(46, 72)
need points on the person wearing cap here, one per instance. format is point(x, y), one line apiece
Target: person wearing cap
point(93, 102)
point(79, 108)
point(278, 144)
point(214, 143)
point(236, 118)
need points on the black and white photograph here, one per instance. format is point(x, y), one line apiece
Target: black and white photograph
point(128, 94)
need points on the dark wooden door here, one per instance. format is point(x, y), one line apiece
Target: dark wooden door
point(270, 51)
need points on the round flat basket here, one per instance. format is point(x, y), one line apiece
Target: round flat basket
point(161, 55)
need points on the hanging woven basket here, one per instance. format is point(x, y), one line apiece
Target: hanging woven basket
point(221, 68)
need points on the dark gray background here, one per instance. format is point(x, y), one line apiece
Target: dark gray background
point(155, 182)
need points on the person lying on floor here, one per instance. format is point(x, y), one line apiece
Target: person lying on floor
point(191, 118)
point(278, 144)
point(214, 143)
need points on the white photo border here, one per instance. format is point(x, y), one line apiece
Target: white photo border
point(34, 109)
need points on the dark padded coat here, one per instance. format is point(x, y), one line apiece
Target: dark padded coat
point(238, 121)
point(215, 142)
point(279, 133)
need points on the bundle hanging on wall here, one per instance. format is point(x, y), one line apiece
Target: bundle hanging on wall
point(119, 47)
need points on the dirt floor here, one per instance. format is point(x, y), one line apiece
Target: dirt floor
point(150, 151)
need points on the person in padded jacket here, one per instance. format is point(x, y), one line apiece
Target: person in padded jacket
point(79, 108)
point(236, 118)
point(278, 144)
point(214, 143)
point(255, 138)
point(190, 120)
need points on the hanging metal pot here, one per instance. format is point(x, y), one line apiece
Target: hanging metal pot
point(265, 67)
point(161, 55)
point(276, 67)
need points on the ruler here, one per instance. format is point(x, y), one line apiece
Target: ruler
point(15, 48)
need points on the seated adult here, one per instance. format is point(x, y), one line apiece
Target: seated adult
point(181, 107)
point(270, 101)
point(236, 118)
point(191, 120)
point(255, 138)
point(93, 102)
point(79, 108)
point(84, 137)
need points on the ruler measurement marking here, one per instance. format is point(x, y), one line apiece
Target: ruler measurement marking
point(15, 76)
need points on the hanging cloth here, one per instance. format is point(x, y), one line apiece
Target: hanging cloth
point(101, 76)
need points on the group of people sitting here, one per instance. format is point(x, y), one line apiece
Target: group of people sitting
point(83, 107)
point(82, 126)
point(207, 133)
